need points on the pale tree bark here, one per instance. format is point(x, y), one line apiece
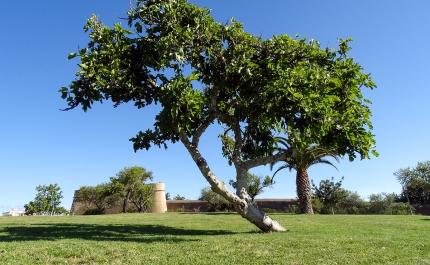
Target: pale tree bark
point(240, 200)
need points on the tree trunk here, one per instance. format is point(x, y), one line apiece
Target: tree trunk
point(250, 211)
point(125, 204)
point(304, 192)
point(241, 202)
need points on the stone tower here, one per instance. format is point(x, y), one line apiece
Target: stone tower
point(159, 197)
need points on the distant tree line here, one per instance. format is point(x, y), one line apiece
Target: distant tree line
point(127, 187)
point(330, 198)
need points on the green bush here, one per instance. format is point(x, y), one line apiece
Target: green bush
point(384, 203)
point(216, 202)
point(269, 210)
point(317, 205)
point(293, 209)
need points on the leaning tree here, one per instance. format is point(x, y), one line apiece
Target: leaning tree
point(203, 73)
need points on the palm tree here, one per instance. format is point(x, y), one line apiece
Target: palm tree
point(300, 161)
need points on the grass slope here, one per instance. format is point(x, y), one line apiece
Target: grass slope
point(218, 238)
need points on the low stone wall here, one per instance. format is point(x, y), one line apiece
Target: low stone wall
point(186, 206)
point(280, 205)
point(423, 209)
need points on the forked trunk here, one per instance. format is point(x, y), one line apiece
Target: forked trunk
point(250, 211)
point(304, 192)
point(125, 203)
point(241, 201)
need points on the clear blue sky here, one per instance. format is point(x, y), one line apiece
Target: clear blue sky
point(41, 145)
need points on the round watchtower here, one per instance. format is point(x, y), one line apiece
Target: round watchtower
point(159, 197)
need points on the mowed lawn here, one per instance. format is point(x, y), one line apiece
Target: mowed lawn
point(214, 238)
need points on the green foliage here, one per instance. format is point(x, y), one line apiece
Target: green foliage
point(330, 197)
point(62, 211)
point(129, 185)
point(47, 201)
point(353, 203)
point(179, 197)
point(303, 159)
point(168, 196)
point(256, 185)
point(384, 203)
point(97, 199)
point(415, 182)
point(293, 209)
point(269, 210)
point(281, 84)
point(317, 205)
point(215, 201)
point(330, 194)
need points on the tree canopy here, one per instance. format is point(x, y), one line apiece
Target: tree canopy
point(415, 182)
point(203, 72)
point(47, 201)
point(129, 184)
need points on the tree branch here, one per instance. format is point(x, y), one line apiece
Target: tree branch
point(282, 156)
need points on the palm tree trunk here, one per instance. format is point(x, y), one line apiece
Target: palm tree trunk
point(304, 192)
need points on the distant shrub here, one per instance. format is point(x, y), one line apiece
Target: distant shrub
point(384, 203)
point(216, 202)
point(317, 205)
point(269, 210)
point(292, 208)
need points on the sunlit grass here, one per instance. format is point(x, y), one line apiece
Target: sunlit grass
point(199, 238)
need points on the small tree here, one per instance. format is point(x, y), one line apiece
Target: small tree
point(329, 193)
point(215, 201)
point(97, 199)
point(256, 185)
point(141, 197)
point(47, 200)
point(415, 182)
point(179, 197)
point(129, 185)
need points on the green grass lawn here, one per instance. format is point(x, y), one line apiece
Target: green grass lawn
point(218, 238)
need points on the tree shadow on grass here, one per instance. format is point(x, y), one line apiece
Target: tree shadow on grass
point(426, 219)
point(211, 213)
point(124, 233)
